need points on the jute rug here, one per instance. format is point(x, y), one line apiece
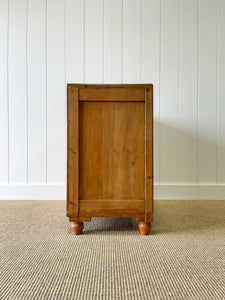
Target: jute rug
point(183, 258)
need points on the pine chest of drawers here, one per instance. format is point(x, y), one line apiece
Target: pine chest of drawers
point(110, 153)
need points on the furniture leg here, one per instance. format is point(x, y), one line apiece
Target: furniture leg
point(77, 227)
point(144, 228)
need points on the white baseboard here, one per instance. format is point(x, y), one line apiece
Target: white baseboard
point(189, 192)
point(161, 192)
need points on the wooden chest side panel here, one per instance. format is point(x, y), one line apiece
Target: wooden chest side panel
point(112, 150)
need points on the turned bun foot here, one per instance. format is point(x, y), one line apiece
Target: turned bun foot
point(77, 227)
point(144, 228)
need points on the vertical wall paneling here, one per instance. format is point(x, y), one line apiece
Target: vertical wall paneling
point(75, 41)
point(188, 70)
point(150, 41)
point(169, 103)
point(207, 108)
point(221, 94)
point(94, 30)
point(156, 134)
point(17, 91)
point(151, 64)
point(132, 41)
point(112, 41)
point(36, 55)
point(56, 92)
point(178, 45)
point(3, 91)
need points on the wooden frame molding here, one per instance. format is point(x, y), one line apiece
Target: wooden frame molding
point(72, 151)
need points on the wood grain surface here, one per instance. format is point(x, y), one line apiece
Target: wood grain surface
point(72, 151)
point(112, 150)
point(115, 94)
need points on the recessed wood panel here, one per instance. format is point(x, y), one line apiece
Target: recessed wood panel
point(112, 150)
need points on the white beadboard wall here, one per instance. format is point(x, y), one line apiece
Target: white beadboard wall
point(178, 45)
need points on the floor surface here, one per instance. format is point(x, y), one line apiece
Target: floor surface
point(182, 258)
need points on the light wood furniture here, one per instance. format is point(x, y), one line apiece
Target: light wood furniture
point(110, 153)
